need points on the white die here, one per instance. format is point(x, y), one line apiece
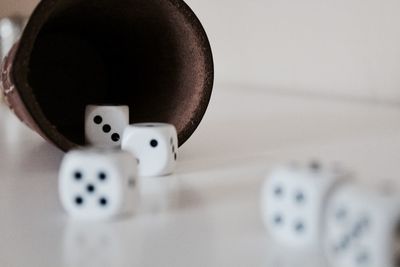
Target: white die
point(362, 228)
point(98, 184)
point(293, 200)
point(155, 146)
point(104, 125)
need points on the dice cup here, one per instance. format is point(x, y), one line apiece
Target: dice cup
point(152, 55)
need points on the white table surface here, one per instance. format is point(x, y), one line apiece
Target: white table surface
point(207, 213)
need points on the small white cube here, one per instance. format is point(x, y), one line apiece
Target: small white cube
point(155, 145)
point(98, 184)
point(293, 201)
point(105, 124)
point(362, 228)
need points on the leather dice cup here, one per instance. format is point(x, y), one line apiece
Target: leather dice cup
point(151, 55)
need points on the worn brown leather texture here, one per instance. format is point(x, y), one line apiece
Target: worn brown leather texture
point(152, 55)
point(11, 95)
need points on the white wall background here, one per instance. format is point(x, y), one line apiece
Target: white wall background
point(340, 47)
point(345, 48)
point(17, 7)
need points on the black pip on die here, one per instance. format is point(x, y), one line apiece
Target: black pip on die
point(98, 184)
point(105, 124)
point(155, 145)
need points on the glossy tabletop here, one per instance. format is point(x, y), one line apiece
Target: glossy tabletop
point(207, 213)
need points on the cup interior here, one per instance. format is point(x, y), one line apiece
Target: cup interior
point(151, 55)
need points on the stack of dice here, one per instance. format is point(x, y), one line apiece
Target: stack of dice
point(101, 181)
point(311, 207)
